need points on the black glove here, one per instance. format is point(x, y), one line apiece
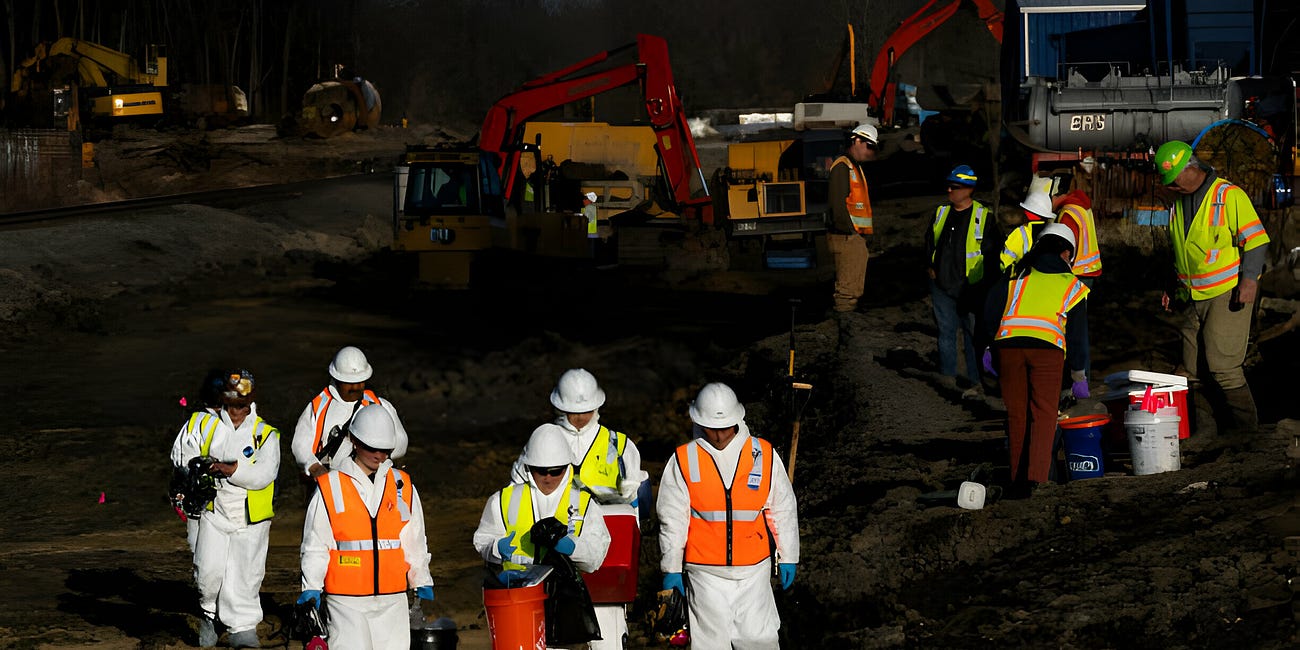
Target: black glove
point(547, 532)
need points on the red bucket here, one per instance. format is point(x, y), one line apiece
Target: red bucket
point(615, 580)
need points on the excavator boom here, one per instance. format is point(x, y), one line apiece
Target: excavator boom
point(503, 129)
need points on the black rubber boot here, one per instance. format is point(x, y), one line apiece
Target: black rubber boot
point(1241, 409)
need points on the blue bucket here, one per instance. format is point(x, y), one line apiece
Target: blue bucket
point(1082, 437)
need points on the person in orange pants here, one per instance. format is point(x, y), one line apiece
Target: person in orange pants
point(1033, 343)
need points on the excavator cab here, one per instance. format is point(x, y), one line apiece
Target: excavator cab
point(447, 201)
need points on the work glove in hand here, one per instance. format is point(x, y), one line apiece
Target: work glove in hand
point(547, 532)
point(310, 595)
point(1080, 386)
point(674, 581)
point(506, 546)
point(786, 571)
point(424, 593)
point(565, 546)
point(988, 362)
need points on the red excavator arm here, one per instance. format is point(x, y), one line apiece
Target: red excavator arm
point(880, 88)
point(503, 128)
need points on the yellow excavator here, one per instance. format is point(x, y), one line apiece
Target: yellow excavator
point(72, 81)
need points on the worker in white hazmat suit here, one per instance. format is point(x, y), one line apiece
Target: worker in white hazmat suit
point(321, 433)
point(608, 464)
point(721, 497)
point(230, 549)
point(549, 491)
point(363, 542)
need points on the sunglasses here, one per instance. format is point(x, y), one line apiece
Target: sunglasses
point(370, 449)
point(549, 471)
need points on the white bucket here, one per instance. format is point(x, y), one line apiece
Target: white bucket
point(1153, 440)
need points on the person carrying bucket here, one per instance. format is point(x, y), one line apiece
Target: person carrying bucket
point(363, 541)
point(1031, 344)
point(725, 501)
point(509, 534)
point(609, 466)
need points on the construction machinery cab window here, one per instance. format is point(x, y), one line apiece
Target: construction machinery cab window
point(453, 188)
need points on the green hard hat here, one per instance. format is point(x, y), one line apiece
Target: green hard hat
point(1170, 160)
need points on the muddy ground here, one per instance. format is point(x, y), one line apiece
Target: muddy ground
point(108, 320)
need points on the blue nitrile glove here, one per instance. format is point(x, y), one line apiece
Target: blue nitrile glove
point(565, 546)
point(312, 595)
point(988, 362)
point(424, 593)
point(674, 581)
point(1080, 386)
point(506, 545)
point(786, 571)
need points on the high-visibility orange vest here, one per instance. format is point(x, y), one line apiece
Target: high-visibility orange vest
point(321, 403)
point(1037, 304)
point(728, 526)
point(369, 559)
point(858, 201)
point(1207, 255)
point(1087, 255)
point(603, 464)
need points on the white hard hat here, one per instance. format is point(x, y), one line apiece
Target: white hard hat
point(548, 447)
point(866, 132)
point(1060, 230)
point(1040, 204)
point(591, 196)
point(350, 366)
point(716, 407)
point(373, 426)
point(577, 392)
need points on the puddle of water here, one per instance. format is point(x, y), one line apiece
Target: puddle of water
point(38, 169)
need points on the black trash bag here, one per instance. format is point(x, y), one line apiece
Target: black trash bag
point(546, 532)
point(570, 615)
point(668, 620)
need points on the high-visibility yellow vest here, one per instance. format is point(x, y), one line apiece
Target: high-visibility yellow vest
point(603, 466)
point(518, 516)
point(1017, 245)
point(589, 211)
point(1207, 255)
point(321, 403)
point(728, 526)
point(1087, 254)
point(259, 504)
point(1037, 304)
point(974, 236)
point(858, 200)
point(368, 559)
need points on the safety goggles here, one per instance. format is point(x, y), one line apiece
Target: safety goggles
point(363, 446)
point(549, 471)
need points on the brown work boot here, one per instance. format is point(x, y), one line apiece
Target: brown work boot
point(1241, 408)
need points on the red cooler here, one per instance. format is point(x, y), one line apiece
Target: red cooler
point(615, 580)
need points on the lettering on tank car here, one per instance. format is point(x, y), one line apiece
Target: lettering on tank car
point(1088, 122)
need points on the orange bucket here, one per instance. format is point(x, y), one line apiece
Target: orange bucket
point(516, 617)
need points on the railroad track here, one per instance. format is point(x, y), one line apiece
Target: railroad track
point(226, 198)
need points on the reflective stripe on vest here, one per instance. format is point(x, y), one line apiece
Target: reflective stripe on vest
point(1207, 255)
point(727, 526)
point(1037, 304)
point(518, 517)
point(259, 505)
point(858, 201)
point(974, 256)
point(367, 559)
point(321, 403)
point(1087, 256)
point(603, 464)
point(1017, 245)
